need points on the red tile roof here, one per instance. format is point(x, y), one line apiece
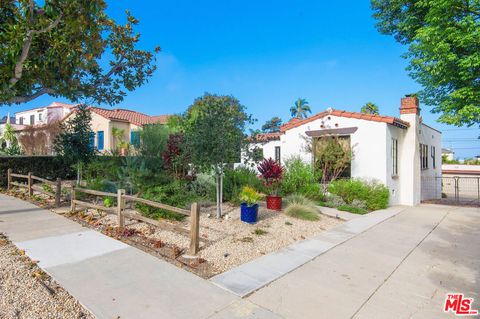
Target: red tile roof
point(295, 122)
point(266, 137)
point(133, 117)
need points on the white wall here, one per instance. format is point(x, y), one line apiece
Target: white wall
point(368, 144)
point(431, 186)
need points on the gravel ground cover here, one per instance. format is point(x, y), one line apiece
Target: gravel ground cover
point(228, 242)
point(27, 292)
point(225, 243)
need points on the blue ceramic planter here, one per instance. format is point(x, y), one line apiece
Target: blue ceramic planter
point(248, 214)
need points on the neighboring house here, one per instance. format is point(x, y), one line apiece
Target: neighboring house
point(44, 115)
point(399, 152)
point(106, 121)
point(448, 154)
point(451, 170)
point(33, 123)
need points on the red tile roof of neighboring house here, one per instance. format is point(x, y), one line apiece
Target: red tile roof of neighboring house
point(295, 122)
point(133, 117)
point(265, 137)
point(161, 119)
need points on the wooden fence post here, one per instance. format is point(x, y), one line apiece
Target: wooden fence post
point(120, 207)
point(9, 178)
point(72, 198)
point(194, 228)
point(29, 184)
point(58, 192)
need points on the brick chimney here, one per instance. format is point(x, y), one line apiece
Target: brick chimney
point(410, 179)
point(410, 105)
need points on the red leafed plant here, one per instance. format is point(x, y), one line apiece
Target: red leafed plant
point(271, 173)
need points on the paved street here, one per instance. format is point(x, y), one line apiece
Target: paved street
point(401, 267)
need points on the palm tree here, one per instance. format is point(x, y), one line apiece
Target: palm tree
point(369, 108)
point(300, 109)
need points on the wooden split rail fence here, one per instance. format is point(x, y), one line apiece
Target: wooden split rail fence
point(30, 185)
point(119, 210)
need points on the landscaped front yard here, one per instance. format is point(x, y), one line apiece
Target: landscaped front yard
point(226, 242)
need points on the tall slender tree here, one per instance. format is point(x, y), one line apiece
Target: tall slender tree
point(73, 142)
point(300, 109)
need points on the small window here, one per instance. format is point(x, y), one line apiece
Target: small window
point(394, 157)
point(100, 140)
point(39, 117)
point(32, 119)
point(433, 151)
point(277, 154)
point(135, 138)
point(20, 121)
point(424, 156)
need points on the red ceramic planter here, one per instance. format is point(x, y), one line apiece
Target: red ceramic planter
point(274, 202)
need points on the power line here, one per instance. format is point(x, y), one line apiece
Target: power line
point(460, 129)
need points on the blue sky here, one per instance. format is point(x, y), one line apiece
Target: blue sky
point(268, 53)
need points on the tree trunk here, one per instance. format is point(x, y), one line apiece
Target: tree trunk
point(217, 187)
point(221, 194)
point(78, 173)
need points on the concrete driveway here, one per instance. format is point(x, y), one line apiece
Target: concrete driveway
point(401, 268)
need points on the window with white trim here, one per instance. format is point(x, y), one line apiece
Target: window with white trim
point(394, 157)
point(277, 154)
point(433, 151)
point(423, 156)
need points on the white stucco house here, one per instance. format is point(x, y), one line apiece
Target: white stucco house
point(43, 115)
point(399, 152)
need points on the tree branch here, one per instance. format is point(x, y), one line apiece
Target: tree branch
point(28, 98)
point(26, 49)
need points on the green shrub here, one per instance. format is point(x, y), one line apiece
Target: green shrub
point(108, 201)
point(49, 167)
point(234, 181)
point(373, 194)
point(174, 194)
point(298, 206)
point(352, 209)
point(349, 189)
point(204, 186)
point(299, 177)
point(378, 196)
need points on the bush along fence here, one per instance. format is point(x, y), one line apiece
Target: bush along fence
point(121, 212)
point(54, 186)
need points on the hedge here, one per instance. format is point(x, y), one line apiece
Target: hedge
point(49, 167)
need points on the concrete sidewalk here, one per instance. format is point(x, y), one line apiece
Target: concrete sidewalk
point(110, 278)
point(401, 268)
point(393, 264)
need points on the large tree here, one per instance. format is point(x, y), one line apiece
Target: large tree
point(300, 109)
point(272, 125)
point(369, 108)
point(215, 134)
point(70, 49)
point(443, 39)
